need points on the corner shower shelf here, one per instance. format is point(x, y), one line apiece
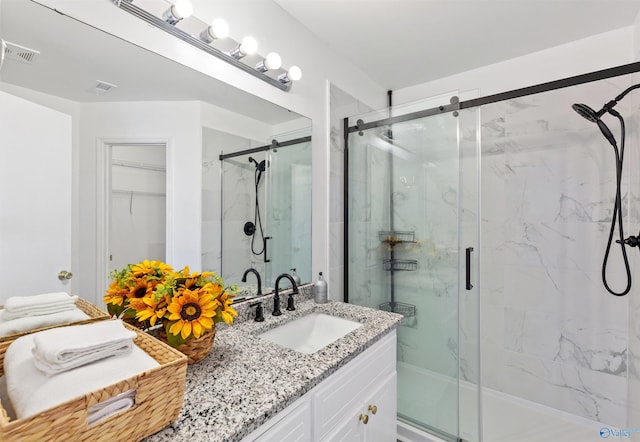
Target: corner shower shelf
point(393, 237)
point(406, 310)
point(401, 265)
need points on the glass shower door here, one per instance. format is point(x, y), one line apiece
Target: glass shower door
point(404, 255)
point(288, 212)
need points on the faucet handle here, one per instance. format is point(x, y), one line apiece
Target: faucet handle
point(259, 311)
point(290, 304)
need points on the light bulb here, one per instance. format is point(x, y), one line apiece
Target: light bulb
point(293, 74)
point(181, 9)
point(220, 28)
point(248, 46)
point(217, 30)
point(271, 62)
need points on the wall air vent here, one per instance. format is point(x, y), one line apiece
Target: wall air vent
point(16, 52)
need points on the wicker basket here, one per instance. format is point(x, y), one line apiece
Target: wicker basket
point(194, 349)
point(158, 400)
point(94, 313)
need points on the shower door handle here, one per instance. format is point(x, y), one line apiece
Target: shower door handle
point(265, 248)
point(468, 284)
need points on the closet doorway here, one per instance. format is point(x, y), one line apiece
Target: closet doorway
point(137, 203)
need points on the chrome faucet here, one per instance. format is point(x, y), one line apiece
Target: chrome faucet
point(255, 272)
point(276, 297)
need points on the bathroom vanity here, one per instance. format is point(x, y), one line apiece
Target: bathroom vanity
point(251, 389)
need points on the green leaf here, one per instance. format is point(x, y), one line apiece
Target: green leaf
point(173, 340)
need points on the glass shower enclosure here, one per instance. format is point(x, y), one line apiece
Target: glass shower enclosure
point(406, 246)
point(523, 177)
point(265, 211)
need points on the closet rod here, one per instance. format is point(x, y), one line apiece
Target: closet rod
point(138, 165)
point(137, 192)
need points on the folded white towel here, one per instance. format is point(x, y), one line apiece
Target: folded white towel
point(31, 391)
point(105, 409)
point(9, 327)
point(44, 304)
point(64, 348)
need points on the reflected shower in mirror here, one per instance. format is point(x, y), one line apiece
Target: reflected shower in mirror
point(264, 199)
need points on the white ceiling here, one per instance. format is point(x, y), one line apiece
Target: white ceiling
point(400, 43)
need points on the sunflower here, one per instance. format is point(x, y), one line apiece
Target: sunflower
point(116, 294)
point(154, 269)
point(149, 308)
point(191, 312)
point(141, 289)
point(227, 312)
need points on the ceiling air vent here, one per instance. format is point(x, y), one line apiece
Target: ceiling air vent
point(102, 87)
point(16, 52)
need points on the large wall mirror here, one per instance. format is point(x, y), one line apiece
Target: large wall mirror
point(116, 94)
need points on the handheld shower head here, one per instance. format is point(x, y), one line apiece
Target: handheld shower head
point(586, 112)
point(261, 166)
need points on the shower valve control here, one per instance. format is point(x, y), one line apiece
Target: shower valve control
point(632, 241)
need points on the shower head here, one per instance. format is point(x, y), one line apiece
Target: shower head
point(586, 112)
point(261, 166)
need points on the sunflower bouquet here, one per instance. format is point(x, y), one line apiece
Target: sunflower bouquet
point(188, 304)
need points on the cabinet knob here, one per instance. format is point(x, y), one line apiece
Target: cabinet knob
point(364, 418)
point(373, 409)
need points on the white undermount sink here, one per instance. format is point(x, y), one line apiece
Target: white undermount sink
point(311, 332)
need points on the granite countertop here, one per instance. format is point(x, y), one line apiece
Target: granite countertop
point(246, 380)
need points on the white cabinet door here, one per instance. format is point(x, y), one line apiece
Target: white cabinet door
point(381, 408)
point(350, 430)
point(295, 425)
point(35, 197)
point(376, 419)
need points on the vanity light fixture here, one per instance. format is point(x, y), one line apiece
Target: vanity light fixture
point(179, 10)
point(249, 46)
point(268, 70)
point(271, 62)
point(293, 74)
point(218, 29)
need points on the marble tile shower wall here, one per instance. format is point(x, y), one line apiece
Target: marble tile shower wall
point(237, 205)
point(342, 105)
point(550, 332)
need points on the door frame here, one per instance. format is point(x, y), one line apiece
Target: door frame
point(103, 202)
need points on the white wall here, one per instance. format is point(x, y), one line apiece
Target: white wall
point(586, 55)
point(275, 30)
point(177, 123)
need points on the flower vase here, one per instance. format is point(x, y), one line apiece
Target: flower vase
point(195, 349)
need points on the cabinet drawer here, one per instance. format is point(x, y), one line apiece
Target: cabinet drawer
point(341, 394)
